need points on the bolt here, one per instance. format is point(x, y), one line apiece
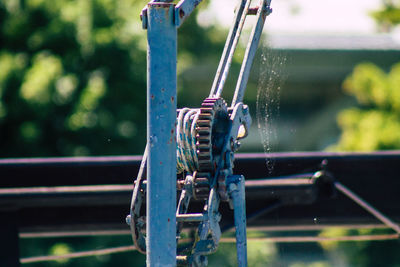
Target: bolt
point(218, 216)
point(232, 187)
point(128, 220)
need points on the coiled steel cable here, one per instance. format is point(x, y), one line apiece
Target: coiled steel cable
point(186, 151)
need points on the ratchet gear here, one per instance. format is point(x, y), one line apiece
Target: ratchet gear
point(211, 131)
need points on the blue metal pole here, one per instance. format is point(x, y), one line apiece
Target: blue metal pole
point(161, 117)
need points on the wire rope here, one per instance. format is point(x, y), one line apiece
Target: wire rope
point(364, 204)
point(186, 151)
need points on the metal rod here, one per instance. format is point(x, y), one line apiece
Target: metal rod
point(195, 217)
point(250, 52)
point(81, 254)
point(237, 195)
point(229, 49)
point(80, 233)
point(307, 239)
point(161, 118)
point(59, 190)
point(278, 182)
point(284, 228)
point(367, 207)
point(254, 215)
point(296, 239)
point(315, 227)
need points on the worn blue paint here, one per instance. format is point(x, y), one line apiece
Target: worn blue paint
point(236, 190)
point(161, 117)
point(183, 9)
point(229, 49)
point(263, 11)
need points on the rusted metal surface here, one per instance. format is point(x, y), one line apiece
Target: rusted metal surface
point(183, 9)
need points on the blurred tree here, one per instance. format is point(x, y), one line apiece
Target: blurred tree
point(388, 16)
point(375, 125)
point(73, 75)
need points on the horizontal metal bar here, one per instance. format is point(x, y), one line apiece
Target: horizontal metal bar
point(277, 182)
point(58, 234)
point(194, 217)
point(277, 228)
point(307, 239)
point(314, 227)
point(110, 160)
point(252, 11)
point(89, 253)
point(6, 192)
point(377, 172)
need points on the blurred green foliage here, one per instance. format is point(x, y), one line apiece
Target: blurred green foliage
point(73, 75)
point(360, 253)
point(388, 16)
point(376, 124)
point(373, 125)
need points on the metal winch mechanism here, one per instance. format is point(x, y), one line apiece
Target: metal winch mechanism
point(207, 138)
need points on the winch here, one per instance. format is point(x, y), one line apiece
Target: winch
point(206, 140)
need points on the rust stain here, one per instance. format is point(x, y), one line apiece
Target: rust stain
point(152, 97)
point(181, 13)
point(172, 99)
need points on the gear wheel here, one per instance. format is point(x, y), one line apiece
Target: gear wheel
point(211, 130)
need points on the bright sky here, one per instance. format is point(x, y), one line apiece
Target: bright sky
point(306, 16)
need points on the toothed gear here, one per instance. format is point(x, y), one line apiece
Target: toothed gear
point(201, 185)
point(211, 130)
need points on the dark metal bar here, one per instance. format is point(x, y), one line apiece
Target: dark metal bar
point(368, 207)
point(9, 239)
point(373, 175)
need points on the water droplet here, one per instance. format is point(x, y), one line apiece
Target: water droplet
point(268, 100)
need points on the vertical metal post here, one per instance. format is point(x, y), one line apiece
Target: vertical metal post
point(237, 196)
point(161, 117)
